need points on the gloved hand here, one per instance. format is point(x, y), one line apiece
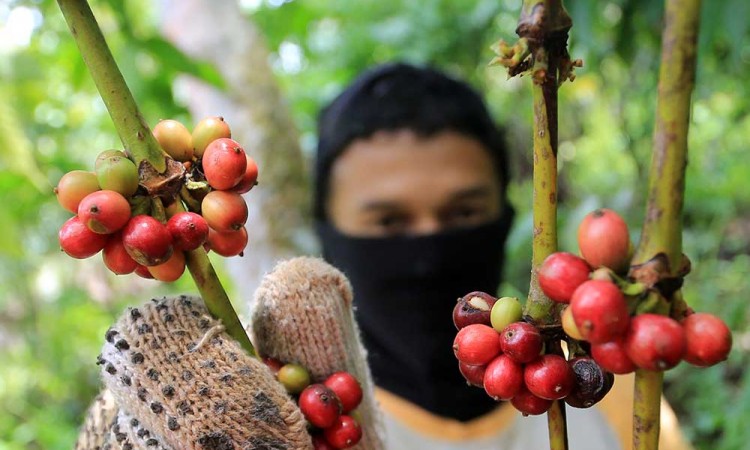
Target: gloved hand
point(175, 380)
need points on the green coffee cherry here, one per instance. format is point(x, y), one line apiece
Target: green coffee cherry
point(505, 311)
point(294, 377)
point(119, 174)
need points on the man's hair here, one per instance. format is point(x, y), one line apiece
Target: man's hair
point(400, 96)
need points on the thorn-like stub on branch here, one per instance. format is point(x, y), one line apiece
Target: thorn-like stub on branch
point(167, 184)
point(543, 18)
point(656, 274)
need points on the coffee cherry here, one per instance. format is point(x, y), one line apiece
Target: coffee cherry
point(472, 308)
point(521, 341)
point(476, 344)
point(320, 443)
point(347, 389)
point(189, 230)
point(224, 211)
point(504, 312)
point(655, 342)
point(319, 405)
point(611, 357)
point(104, 212)
point(174, 139)
point(474, 375)
point(503, 378)
point(344, 433)
point(591, 385)
point(604, 240)
point(119, 174)
point(549, 377)
point(147, 240)
point(171, 270)
point(116, 258)
point(294, 377)
point(142, 271)
point(207, 131)
point(274, 364)
point(529, 404)
point(224, 163)
point(78, 241)
point(105, 155)
point(708, 339)
point(249, 179)
point(569, 324)
point(229, 243)
point(600, 311)
point(560, 274)
point(73, 187)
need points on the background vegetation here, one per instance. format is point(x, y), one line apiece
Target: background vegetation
point(53, 311)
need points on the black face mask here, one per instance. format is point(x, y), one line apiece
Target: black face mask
point(405, 289)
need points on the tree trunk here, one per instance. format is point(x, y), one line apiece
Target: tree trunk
point(253, 106)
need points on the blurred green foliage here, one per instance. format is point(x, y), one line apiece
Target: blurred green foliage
point(53, 311)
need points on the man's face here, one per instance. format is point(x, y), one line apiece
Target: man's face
point(398, 183)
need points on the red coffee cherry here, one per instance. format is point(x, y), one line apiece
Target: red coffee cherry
point(604, 240)
point(116, 258)
point(224, 211)
point(474, 307)
point(591, 385)
point(78, 241)
point(549, 377)
point(189, 230)
point(207, 131)
point(224, 163)
point(611, 357)
point(560, 274)
point(529, 404)
point(274, 364)
point(655, 342)
point(347, 389)
point(709, 340)
point(319, 405)
point(174, 139)
point(229, 243)
point(171, 270)
point(104, 212)
point(344, 433)
point(249, 179)
point(73, 187)
point(503, 378)
point(147, 240)
point(476, 344)
point(320, 443)
point(142, 271)
point(600, 311)
point(474, 375)
point(521, 341)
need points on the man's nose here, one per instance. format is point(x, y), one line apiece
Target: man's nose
point(426, 225)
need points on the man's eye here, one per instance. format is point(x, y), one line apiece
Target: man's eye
point(391, 222)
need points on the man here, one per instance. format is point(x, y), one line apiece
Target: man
point(410, 203)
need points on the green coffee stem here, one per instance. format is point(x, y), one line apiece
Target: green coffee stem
point(130, 125)
point(662, 227)
point(138, 140)
point(544, 26)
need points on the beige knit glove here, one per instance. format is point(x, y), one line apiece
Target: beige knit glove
point(178, 381)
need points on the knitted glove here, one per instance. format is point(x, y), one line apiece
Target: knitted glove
point(179, 382)
point(303, 314)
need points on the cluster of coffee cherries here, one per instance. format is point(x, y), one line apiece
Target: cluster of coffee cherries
point(502, 354)
point(149, 232)
point(329, 407)
point(610, 312)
